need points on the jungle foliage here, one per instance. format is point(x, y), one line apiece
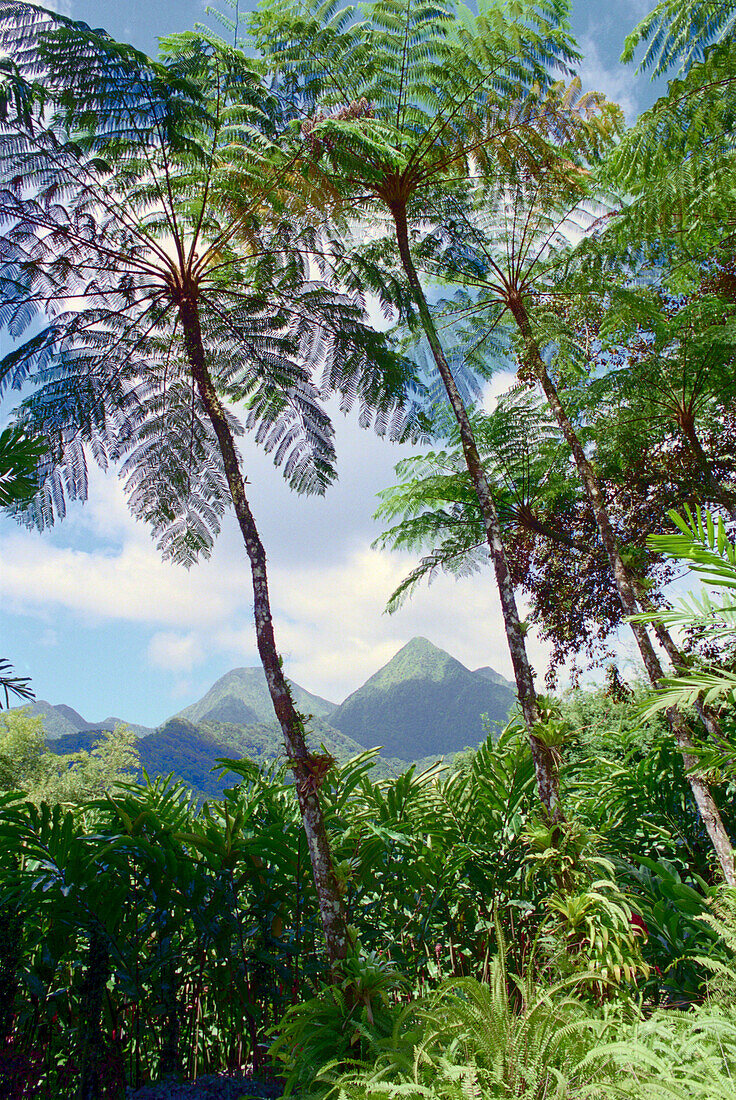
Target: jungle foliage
point(152, 937)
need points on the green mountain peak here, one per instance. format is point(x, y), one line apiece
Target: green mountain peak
point(241, 697)
point(419, 659)
point(421, 702)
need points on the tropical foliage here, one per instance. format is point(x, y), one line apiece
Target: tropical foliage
point(201, 925)
point(28, 764)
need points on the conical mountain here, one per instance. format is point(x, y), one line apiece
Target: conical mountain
point(241, 698)
point(423, 703)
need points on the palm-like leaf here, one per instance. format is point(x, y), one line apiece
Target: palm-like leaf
point(703, 543)
point(677, 161)
point(436, 506)
point(116, 207)
point(680, 31)
point(19, 458)
point(9, 683)
point(412, 100)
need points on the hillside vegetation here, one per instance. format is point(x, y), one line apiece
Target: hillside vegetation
point(422, 702)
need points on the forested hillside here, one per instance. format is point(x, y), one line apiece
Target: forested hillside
point(194, 252)
point(423, 702)
point(241, 698)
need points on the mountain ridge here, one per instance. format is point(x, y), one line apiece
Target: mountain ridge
point(61, 720)
point(247, 687)
point(422, 703)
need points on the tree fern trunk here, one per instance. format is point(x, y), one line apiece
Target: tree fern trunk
point(545, 762)
point(713, 487)
point(329, 898)
point(625, 586)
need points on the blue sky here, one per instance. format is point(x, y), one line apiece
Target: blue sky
point(99, 622)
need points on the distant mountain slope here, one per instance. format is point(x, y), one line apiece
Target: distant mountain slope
point(264, 741)
point(63, 721)
point(55, 721)
point(241, 697)
point(495, 677)
point(72, 717)
point(190, 752)
point(177, 747)
point(421, 706)
point(423, 702)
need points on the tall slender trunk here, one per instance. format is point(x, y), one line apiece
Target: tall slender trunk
point(705, 713)
point(329, 898)
point(701, 792)
point(545, 761)
point(713, 487)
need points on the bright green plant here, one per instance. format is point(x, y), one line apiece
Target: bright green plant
point(19, 459)
point(28, 764)
point(344, 1023)
point(589, 926)
point(677, 937)
point(507, 1037)
point(673, 1056)
point(676, 161)
point(704, 545)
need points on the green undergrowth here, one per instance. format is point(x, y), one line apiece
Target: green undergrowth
point(515, 1037)
point(145, 936)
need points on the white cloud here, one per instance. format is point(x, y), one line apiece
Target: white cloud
point(132, 585)
point(183, 689)
point(328, 587)
point(333, 633)
point(498, 386)
point(175, 652)
point(328, 617)
point(616, 82)
point(63, 7)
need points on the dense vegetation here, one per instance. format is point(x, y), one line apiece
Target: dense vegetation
point(184, 240)
point(145, 937)
point(150, 891)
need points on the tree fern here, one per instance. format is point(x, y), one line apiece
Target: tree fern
point(149, 239)
point(406, 105)
point(105, 264)
point(436, 507)
point(677, 161)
